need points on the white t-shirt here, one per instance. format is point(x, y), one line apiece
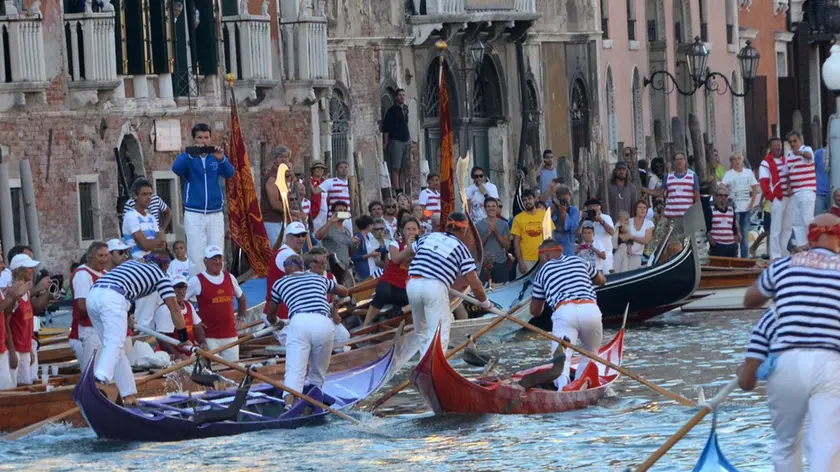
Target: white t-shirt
point(163, 320)
point(476, 199)
point(740, 186)
point(638, 249)
point(133, 222)
point(194, 285)
point(604, 237)
point(178, 267)
point(591, 256)
point(5, 278)
point(392, 226)
point(82, 282)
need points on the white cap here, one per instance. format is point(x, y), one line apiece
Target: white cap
point(22, 260)
point(213, 251)
point(296, 227)
point(116, 245)
point(178, 279)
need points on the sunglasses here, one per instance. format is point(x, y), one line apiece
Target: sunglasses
point(379, 229)
point(301, 235)
point(723, 195)
point(119, 253)
point(478, 176)
point(390, 206)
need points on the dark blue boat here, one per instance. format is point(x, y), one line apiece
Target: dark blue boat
point(225, 413)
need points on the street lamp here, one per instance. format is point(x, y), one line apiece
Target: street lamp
point(477, 53)
point(831, 78)
point(702, 77)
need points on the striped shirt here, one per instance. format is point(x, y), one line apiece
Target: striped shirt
point(157, 208)
point(431, 200)
point(806, 289)
point(563, 279)
point(680, 194)
point(762, 335)
point(336, 190)
point(784, 178)
point(723, 231)
point(440, 256)
point(137, 280)
point(303, 293)
point(803, 171)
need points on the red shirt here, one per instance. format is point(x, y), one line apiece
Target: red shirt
point(188, 319)
point(22, 325)
point(316, 200)
point(215, 306)
point(275, 273)
point(834, 211)
point(395, 274)
point(80, 318)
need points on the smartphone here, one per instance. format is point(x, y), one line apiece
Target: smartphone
point(343, 215)
point(196, 150)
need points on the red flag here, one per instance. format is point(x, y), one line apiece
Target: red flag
point(247, 229)
point(447, 153)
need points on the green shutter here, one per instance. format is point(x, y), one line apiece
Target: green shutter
point(134, 38)
point(204, 39)
point(159, 37)
point(230, 8)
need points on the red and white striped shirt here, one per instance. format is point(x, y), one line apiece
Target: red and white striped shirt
point(722, 226)
point(784, 178)
point(335, 190)
point(680, 194)
point(431, 200)
point(803, 172)
point(306, 206)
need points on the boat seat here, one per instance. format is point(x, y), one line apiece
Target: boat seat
point(586, 380)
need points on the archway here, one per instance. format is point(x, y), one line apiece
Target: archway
point(580, 116)
point(130, 166)
point(638, 116)
point(430, 112)
point(532, 130)
point(340, 131)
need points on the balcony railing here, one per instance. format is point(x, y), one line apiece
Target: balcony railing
point(248, 46)
point(22, 50)
point(460, 7)
point(91, 47)
point(305, 52)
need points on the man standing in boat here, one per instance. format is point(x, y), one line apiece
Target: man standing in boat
point(82, 279)
point(437, 259)
point(801, 346)
point(107, 305)
point(294, 241)
point(215, 289)
point(309, 339)
point(567, 283)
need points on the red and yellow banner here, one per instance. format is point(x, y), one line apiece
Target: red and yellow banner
point(447, 153)
point(247, 228)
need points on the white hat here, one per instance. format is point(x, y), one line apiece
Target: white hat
point(213, 251)
point(296, 227)
point(178, 279)
point(116, 245)
point(22, 260)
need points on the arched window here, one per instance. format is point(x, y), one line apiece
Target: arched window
point(580, 117)
point(340, 118)
point(430, 112)
point(532, 110)
point(487, 92)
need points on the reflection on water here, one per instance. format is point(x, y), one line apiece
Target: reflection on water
point(680, 353)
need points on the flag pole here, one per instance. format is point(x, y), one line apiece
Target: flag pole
point(229, 78)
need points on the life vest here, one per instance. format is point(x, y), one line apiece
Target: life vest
point(22, 324)
point(215, 307)
point(80, 318)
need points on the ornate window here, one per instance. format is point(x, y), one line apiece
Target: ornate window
point(340, 118)
point(431, 94)
point(487, 92)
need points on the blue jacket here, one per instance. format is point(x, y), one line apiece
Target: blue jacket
point(202, 189)
point(566, 234)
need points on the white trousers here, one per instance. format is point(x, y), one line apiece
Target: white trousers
point(23, 374)
point(33, 367)
point(802, 203)
point(231, 354)
point(573, 321)
point(90, 344)
point(429, 301)
point(144, 310)
point(309, 342)
point(781, 226)
point(806, 380)
point(108, 310)
point(76, 346)
point(203, 230)
point(6, 379)
point(340, 335)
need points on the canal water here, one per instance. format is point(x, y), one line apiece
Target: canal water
point(677, 351)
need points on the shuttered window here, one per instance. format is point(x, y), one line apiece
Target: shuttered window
point(87, 210)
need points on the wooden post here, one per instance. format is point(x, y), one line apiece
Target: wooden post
point(700, 167)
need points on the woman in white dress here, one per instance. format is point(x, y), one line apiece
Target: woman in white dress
point(641, 232)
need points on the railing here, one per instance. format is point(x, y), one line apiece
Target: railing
point(248, 46)
point(92, 53)
point(459, 7)
point(305, 52)
point(445, 7)
point(22, 50)
point(525, 6)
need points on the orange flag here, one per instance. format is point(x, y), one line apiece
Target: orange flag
point(247, 229)
point(447, 153)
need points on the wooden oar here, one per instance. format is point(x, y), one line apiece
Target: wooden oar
point(707, 408)
point(496, 321)
point(37, 426)
point(583, 352)
point(256, 375)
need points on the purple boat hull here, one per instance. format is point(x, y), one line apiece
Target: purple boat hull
point(173, 418)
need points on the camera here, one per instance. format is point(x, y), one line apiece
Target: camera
point(589, 214)
point(563, 202)
point(196, 150)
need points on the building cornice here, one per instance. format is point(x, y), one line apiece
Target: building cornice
point(784, 36)
point(377, 42)
point(747, 33)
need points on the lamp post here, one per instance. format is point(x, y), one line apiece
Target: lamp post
point(702, 77)
point(831, 78)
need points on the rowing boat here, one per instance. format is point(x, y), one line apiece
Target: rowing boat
point(225, 413)
point(446, 391)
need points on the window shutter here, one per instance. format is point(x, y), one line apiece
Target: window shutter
point(134, 39)
point(159, 37)
point(205, 40)
point(230, 8)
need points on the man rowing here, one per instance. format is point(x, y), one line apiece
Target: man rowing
point(108, 303)
point(803, 358)
point(82, 279)
point(163, 320)
point(437, 259)
point(567, 283)
point(309, 338)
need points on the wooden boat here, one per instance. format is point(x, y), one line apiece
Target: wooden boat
point(712, 458)
point(446, 391)
point(713, 278)
point(727, 299)
point(735, 262)
point(244, 409)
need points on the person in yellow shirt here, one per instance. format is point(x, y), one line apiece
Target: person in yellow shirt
point(527, 234)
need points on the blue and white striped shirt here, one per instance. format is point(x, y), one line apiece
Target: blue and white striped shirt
point(137, 280)
point(762, 336)
point(134, 222)
point(440, 256)
point(806, 289)
point(303, 293)
point(565, 278)
point(157, 207)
